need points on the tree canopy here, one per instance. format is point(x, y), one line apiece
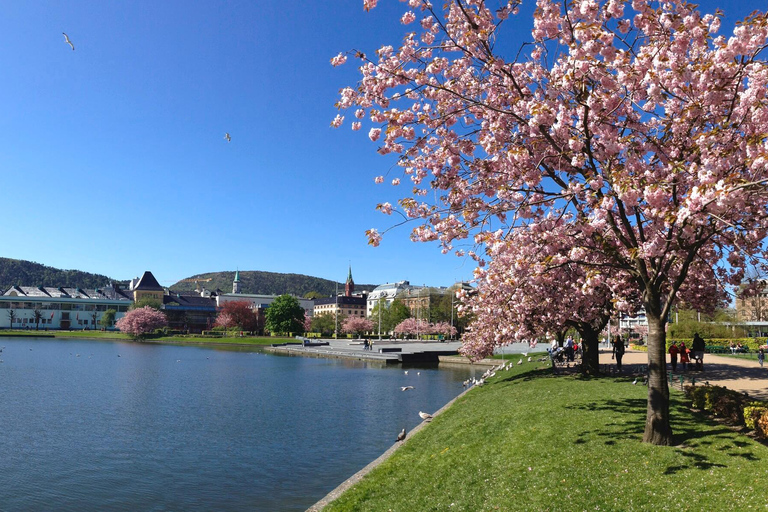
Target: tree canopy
point(627, 140)
point(284, 315)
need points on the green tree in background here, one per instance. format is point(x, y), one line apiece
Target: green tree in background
point(325, 323)
point(153, 303)
point(38, 314)
point(285, 315)
point(108, 318)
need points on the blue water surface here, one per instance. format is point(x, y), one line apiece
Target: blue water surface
point(95, 425)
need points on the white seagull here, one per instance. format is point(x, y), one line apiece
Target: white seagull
point(406, 372)
point(520, 361)
point(66, 39)
point(405, 388)
point(425, 416)
point(227, 136)
point(634, 382)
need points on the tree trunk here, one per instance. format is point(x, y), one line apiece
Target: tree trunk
point(590, 349)
point(657, 427)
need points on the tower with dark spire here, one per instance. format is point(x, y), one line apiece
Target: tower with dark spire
point(349, 288)
point(236, 282)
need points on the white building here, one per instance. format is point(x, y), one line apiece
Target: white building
point(29, 307)
point(386, 292)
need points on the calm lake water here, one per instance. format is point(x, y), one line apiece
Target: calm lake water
point(94, 425)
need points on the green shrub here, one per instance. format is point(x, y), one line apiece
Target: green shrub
point(753, 344)
point(697, 395)
point(752, 412)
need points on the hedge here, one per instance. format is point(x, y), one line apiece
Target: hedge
point(735, 407)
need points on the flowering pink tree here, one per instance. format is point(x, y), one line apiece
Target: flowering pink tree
point(444, 328)
point(635, 124)
point(141, 322)
point(356, 325)
point(307, 322)
point(412, 326)
point(225, 320)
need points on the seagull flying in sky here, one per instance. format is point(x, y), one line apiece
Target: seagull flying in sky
point(226, 136)
point(66, 39)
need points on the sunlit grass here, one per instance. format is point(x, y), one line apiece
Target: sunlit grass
point(529, 440)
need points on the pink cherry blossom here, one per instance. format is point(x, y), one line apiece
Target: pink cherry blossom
point(337, 121)
point(408, 18)
point(339, 60)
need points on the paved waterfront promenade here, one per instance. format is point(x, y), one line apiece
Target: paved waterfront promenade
point(743, 375)
point(354, 349)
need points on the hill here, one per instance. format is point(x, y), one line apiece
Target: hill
point(27, 273)
point(267, 283)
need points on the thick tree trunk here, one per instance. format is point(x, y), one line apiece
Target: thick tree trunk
point(657, 427)
point(590, 347)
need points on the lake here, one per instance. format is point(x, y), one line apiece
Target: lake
point(96, 425)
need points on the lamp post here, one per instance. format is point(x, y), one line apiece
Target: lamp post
point(453, 294)
point(379, 305)
point(336, 315)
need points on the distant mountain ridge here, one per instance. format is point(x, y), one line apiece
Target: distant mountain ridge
point(267, 283)
point(28, 273)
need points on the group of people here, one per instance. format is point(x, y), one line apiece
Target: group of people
point(696, 352)
point(567, 352)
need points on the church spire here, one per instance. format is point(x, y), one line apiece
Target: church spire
point(236, 282)
point(349, 288)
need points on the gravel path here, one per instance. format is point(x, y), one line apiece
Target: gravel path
point(732, 372)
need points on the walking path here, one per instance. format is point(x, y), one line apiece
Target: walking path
point(742, 375)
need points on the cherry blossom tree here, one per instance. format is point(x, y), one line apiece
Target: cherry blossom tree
point(633, 123)
point(225, 321)
point(412, 326)
point(142, 321)
point(356, 325)
point(444, 328)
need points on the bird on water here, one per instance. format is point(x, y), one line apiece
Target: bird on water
point(405, 388)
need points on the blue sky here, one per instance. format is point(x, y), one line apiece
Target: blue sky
point(113, 156)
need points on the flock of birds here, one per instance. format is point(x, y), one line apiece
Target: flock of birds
point(67, 40)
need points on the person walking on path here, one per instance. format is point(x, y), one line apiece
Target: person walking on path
point(698, 347)
point(761, 356)
point(618, 351)
point(684, 357)
point(673, 351)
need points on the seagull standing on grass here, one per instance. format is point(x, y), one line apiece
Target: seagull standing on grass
point(66, 39)
point(425, 416)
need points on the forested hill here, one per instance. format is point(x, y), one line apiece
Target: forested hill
point(28, 273)
point(268, 283)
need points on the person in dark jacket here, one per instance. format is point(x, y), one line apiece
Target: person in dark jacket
point(698, 347)
point(618, 351)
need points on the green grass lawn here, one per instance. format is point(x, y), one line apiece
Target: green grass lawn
point(529, 440)
point(116, 335)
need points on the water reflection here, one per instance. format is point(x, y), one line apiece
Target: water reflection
point(129, 426)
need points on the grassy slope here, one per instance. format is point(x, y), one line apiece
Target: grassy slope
point(534, 441)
